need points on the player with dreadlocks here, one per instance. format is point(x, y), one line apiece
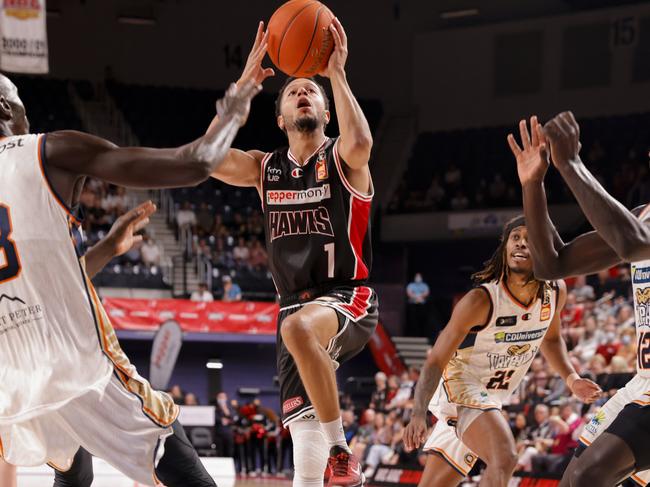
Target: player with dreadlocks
point(480, 358)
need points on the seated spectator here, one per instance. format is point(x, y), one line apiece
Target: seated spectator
point(459, 201)
point(191, 400)
point(202, 295)
point(378, 398)
point(582, 290)
point(150, 252)
point(241, 253)
point(350, 426)
point(204, 219)
point(610, 344)
point(258, 258)
point(231, 291)
point(566, 431)
point(185, 217)
point(177, 394)
point(539, 440)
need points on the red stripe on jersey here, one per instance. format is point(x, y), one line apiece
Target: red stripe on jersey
point(360, 302)
point(357, 230)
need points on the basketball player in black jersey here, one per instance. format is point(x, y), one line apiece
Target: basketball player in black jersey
point(316, 197)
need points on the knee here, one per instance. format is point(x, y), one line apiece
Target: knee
point(586, 475)
point(504, 461)
point(296, 332)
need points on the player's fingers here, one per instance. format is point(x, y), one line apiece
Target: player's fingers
point(140, 225)
point(258, 35)
point(137, 238)
point(525, 136)
point(341, 30)
point(534, 138)
point(568, 115)
point(514, 147)
point(336, 36)
point(541, 137)
point(267, 73)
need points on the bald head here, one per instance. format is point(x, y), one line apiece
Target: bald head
point(13, 120)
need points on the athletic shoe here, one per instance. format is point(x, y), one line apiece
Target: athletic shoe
point(344, 469)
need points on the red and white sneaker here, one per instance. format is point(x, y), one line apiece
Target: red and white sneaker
point(344, 469)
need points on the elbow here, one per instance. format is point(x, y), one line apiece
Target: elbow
point(547, 272)
point(635, 249)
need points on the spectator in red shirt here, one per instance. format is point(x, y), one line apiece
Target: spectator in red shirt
point(610, 345)
point(566, 430)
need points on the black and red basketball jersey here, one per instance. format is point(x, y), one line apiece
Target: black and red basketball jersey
point(317, 224)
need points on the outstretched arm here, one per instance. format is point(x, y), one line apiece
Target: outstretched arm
point(552, 258)
point(242, 168)
point(120, 238)
point(78, 154)
point(355, 140)
point(473, 310)
point(620, 228)
point(554, 350)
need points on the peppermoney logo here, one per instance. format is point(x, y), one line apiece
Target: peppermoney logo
point(312, 195)
point(519, 336)
point(640, 275)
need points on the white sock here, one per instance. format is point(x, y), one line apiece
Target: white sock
point(334, 433)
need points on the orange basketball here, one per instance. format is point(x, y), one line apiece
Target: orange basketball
point(300, 42)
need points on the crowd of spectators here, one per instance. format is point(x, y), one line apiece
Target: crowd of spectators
point(233, 241)
point(100, 205)
point(474, 169)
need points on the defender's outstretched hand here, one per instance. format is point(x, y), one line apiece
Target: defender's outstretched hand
point(563, 133)
point(533, 158)
point(339, 55)
point(122, 235)
point(585, 390)
point(253, 71)
point(236, 102)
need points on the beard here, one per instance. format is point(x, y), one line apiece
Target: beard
point(305, 124)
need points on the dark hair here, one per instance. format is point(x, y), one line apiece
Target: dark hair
point(496, 266)
point(278, 100)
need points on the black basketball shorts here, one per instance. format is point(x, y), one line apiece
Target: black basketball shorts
point(357, 312)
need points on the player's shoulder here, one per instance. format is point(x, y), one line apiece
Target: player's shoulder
point(477, 299)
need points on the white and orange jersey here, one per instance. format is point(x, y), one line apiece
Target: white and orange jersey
point(641, 291)
point(493, 359)
point(56, 342)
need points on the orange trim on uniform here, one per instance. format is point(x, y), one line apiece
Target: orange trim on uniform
point(514, 299)
point(451, 462)
point(638, 480)
point(49, 186)
point(585, 441)
point(641, 403)
point(1, 449)
point(100, 318)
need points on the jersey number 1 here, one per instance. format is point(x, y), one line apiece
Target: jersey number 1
point(329, 250)
point(9, 261)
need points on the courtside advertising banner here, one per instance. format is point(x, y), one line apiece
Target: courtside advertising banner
point(166, 346)
point(24, 37)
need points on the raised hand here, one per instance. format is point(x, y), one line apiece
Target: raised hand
point(237, 101)
point(122, 235)
point(533, 158)
point(339, 56)
point(563, 134)
point(253, 71)
point(586, 390)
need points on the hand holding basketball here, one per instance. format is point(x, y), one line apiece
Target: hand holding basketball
point(339, 56)
point(253, 71)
